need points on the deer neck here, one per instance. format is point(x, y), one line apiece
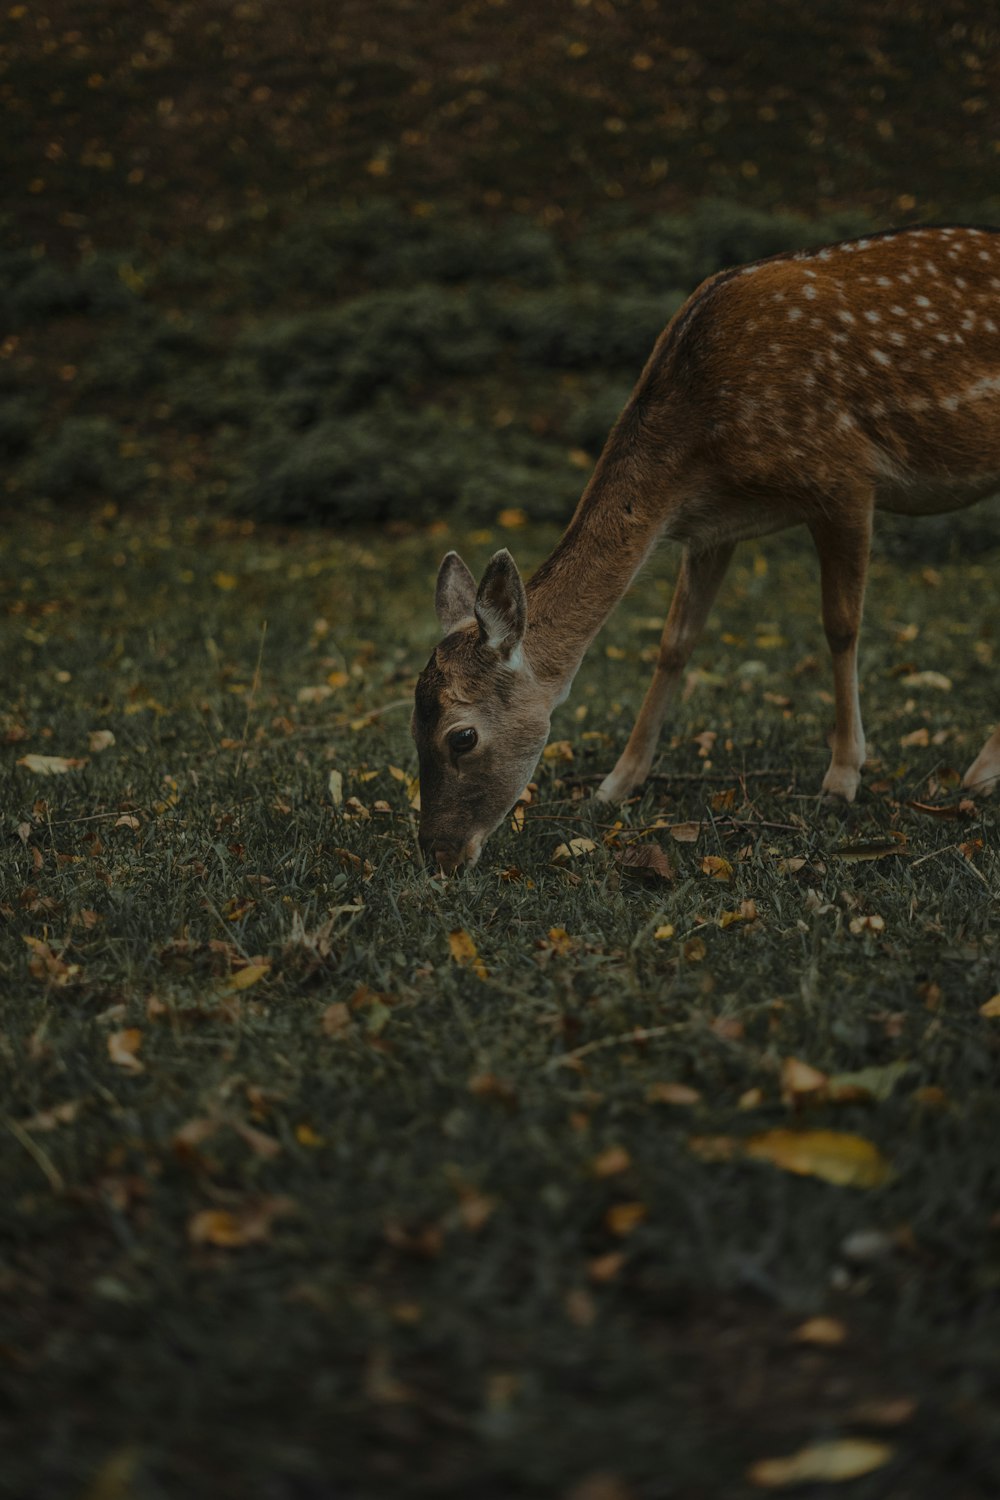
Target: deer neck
point(615, 526)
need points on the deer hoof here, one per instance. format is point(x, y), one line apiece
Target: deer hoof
point(842, 782)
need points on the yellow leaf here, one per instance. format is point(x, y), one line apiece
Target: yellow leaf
point(663, 932)
point(558, 750)
point(244, 978)
point(623, 1218)
point(574, 849)
point(834, 1462)
point(836, 1156)
point(992, 1008)
point(51, 765)
point(517, 818)
point(225, 581)
point(694, 950)
point(824, 1331)
point(512, 518)
point(717, 867)
point(337, 679)
point(465, 952)
point(123, 1046)
point(307, 1136)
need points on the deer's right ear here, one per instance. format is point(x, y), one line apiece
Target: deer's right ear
point(455, 594)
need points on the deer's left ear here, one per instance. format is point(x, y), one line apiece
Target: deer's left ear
point(455, 594)
point(502, 605)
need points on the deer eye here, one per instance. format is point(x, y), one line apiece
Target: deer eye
point(461, 740)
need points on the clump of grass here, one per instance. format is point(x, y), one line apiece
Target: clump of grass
point(84, 457)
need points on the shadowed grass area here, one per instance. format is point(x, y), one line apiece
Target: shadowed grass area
point(303, 1198)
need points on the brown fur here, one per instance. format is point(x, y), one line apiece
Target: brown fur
point(811, 388)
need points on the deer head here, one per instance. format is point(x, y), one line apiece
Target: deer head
point(480, 719)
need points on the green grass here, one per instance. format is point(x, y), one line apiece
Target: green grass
point(426, 1304)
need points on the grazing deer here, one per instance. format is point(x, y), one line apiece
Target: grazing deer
point(809, 388)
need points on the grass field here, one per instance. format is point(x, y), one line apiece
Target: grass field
point(327, 1178)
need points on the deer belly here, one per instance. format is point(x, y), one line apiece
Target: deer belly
point(932, 494)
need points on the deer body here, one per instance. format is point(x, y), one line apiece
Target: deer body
point(811, 388)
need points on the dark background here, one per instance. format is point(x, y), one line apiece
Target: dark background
point(392, 261)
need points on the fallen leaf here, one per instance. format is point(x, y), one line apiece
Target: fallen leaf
point(47, 966)
point(603, 1268)
point(717, 867)
point(672, 1093)
point(747, 912)
point(951, 811)
point(465, 952)
point(128, 820)
point(799, 1078)
point(835, 1156)
point(99, 739)
point(558, 750)
point(51, 765)
point(574, 849)
point(685, 833)
point(335, 786)
point(928, 679)
point(50, 1119)
point(871, 923)
point(876, 1082)
point(123, 1047)
point(833, 1462)
point(611, 1161)
point(664, 931)
point(876, 849)
point(242, 979)
point(694, 950)
point(991, 1009)
point(623, 1218)
point(827, 1332)
point(647, 860)
point(230, 1229)
point(336, 1018)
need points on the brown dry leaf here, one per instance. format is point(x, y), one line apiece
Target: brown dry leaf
point(50, 1119)
point(603, 1268)
point(465, 953)
point(694, 950)
point(647, 860)
point(475, 1209)
point(836, 1156)
point(871, 923)
point(610, 1162)
point(991, 1009)
point(231, 1229)
point(827, 1332)
point(685, 833)
point(799, 1078)
point(123, 1047)
point(98, 740)
point(512, 518)
point(51, 765)
point(834, 1462)
point(876, 849)
point(48, 966)
point(623, 1218)
point(917, 737)
point(260, 1143)
point(672, 1093)
point(950, 811)
point(336, 1018)
point(717, 867)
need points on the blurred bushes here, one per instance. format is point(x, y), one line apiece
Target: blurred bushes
point(362, 364)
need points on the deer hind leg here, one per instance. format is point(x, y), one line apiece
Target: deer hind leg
point(698, 583)
point(984, 773)
point(843, 549)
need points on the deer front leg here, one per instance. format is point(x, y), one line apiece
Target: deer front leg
point(843, 550)
point(698, 582)
point(984, 773)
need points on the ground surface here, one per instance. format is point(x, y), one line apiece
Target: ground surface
point(304, 1197)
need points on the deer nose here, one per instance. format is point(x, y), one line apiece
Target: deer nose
point(442, 855)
